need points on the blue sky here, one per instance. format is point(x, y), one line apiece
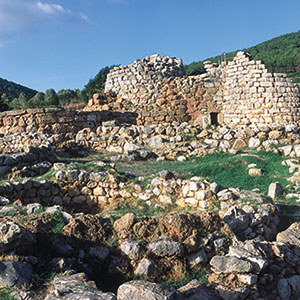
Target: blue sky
point(63, 43)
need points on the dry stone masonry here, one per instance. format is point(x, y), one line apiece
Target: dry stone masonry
point(237, 93)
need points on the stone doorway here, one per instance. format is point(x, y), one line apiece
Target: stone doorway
point(214, 118)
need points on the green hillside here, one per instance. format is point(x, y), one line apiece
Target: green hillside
point(13, 90)
point(280, 55)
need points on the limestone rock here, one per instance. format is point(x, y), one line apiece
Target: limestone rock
point(236, 218)
point(147, 268)
point(132, 249)
point(4, 201)
point(196, 290)
point(166, 248)
point(231, 264)
point(13, 235)
point(76, 287)
point(141, 290)
point(15, 274)
point(124, 223)
point(99, 252)
point(197, 258)
point(275, 190)
point(290, 235)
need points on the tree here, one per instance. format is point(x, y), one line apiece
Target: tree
point(51, 98)
point(97, 83)
point(4, 102)
point(37, 101)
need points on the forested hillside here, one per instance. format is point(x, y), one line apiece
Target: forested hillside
point(13, 90)
point(280, 55)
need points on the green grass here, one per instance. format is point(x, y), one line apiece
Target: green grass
point(226, 169)
point(46, 176)
point(196, 273)
point(5, 294)
point(59, 223)
point(87, 166)
point(139, 209)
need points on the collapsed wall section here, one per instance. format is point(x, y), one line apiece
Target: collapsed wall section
point(253, 96)
point(157, 91)
point(142, 79)
point(238, 93)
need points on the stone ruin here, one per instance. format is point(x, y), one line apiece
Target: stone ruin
point(245, 252)
point(238, 93)
point(154, 90)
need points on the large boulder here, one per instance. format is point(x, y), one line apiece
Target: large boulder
point(166, 248)
point(88, 228)
point(15, 274)
point(231, 264)
point(76, 287)
point(290, 235)
point(142, 290)
point(13, 235)
point(196, 290)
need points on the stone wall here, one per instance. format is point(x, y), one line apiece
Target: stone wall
point(253, 96)
point(143, 77)
point(162, 98)
point(237, 93)
point(58, 121)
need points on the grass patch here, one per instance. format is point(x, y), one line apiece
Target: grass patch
point(59, 223)
point(200, 274)
point(226, 169)
point(5, 294)
point(87, 166)
point(46, 176)
point(139, 208)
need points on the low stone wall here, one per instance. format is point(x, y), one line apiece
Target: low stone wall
point(58, 121)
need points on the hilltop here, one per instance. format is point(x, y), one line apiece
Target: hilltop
point(280, 55)
point(12, 90)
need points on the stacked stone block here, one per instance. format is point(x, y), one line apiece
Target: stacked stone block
point(143, 77)
point(58, 121)
point(253, 96)
point(241, 92)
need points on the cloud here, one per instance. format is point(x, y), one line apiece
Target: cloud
point(21, 15)
point(50, 8)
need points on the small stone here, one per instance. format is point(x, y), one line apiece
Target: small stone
point(138, 290)
point(181, 158)
point(275, 190)
point(248, 279)
point(253, 143)
point(255, 172)
point(197, 258)
point(15, 274)
point(132, 249)
point(166, 248)
point(99, 252)
point(124, 223)
point(147, 268)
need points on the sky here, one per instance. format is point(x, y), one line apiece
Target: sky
point(61, 44)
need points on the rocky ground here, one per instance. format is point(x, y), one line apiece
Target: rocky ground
point(125, 213)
